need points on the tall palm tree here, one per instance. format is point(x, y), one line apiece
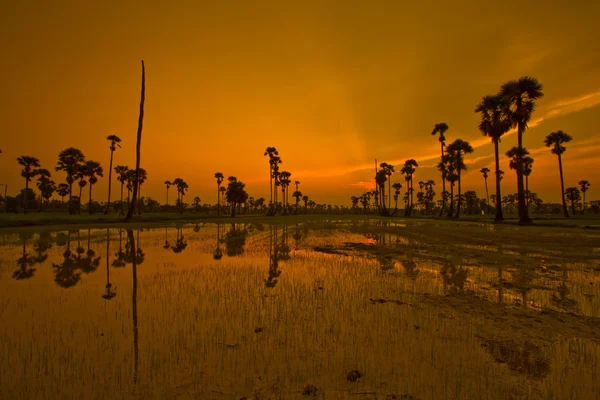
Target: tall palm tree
point(28, 172)
point(380, 178)
point(527, 169)
point(168, 185)
point(485, 172)
point(138, 147)
point(142, 176)
point(272, 153)
point(389, 170)
point(449, 160)
point(494, 124)
point(42, 184)
point(520, 96)
point(219, 176)
point(584, 186)
point(284, 178)
point(93, 170)
point(572, 193)
point(409, 170)
point(397, 186)
point(70, 160)
point(122, 172)
point(556, 141)
point(305, 200)
point(441, 128)
point(80, 176)
point(459, 148)
point(114, 143)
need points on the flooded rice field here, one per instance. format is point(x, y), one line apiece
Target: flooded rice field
point(327, 310)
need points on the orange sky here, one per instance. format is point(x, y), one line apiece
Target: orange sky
point(331, 84)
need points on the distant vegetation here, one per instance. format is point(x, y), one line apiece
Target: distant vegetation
point(511, 108)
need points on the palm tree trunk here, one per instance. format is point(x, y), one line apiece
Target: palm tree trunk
point(139, 201)
point(233, 209)
point(121, 212)
point(451, 208)
point(443, 182)
point(562, 187)
point(583, 206)
point(218, 202)
point(109, 182)
point(138, 145)
point(79, 201)
point(411, 195)
point(499, 216)
point(70, 198)
point(390, 193)
point(487, 195)
point(90, 201)
point(523, 214)
point(459, 198)
point(41, 202)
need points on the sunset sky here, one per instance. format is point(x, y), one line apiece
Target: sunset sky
point(331, 84)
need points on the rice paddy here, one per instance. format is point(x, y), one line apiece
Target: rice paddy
point(337, 309)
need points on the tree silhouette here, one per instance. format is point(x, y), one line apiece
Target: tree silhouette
point(235, 193)
point(142, 175)
point(109, 292)
point(69, 161)
point(409, 171)
point(114, 143)
point(459, 148)
point(441, 128)
point(494, 123)
point(555, 140)
point(63, 190)
point(28, 172)
point(520, 95)
point(574, 196)
point(92, 170)
point(46, 186)
point(138, 146)
point(168, 185)
point(235, 240)
point(380, 179)
point(274, 271)
point(273, 161)
point(485, 172)
point(527, 169)
point(81, 182)
point(122, 176)
point(219, 176)
point(584, 186)
point(520, 158)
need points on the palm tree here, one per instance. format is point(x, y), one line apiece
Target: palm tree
point(380, 179)
point(389, 170)
point(409, 170)
point(441, 128)
point(123, 173)
point(494, 124)
point(42, 184)
point(520, 96)
point(397, 186)
point(138, 146)
point(459, 148)
point(62, 190)
point(114, 142)
point(223, 190)
point(235, 193)
point(584, 186)
point(272, 153)
point(81, 175)
point(168, 185)
point(305, 200)
point(70, 160)
point(28, 172)
point(92, 170)
point(450, 160)
point(284, 179)
point(219, 176)
point(556, 140)
point(485, 172)
point(573, 195)
point(297, 195)
point(182, 186)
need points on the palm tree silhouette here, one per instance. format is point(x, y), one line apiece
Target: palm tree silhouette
point(520, 96)
point(92, 170)
point(168, 185)
point(494, 123)
point(136, 257)
point(28, 172)
point(284, 180)
point(305, 200)
point(80, 176)
point(182, 187)
point(409, 171)
point(517, 158)
point(459, 148)
point(389, 170)
point(114, 142)
point(142, 176)
point(62, 190)
point(273, 161)
point(123, 176)
point(44, 184)
point(485, 172)
point(527, 169)
point(274, 271)
point(219, 176)
point(70, 160)
point(25, 262)
point(584, 186)
point(235, 193)
point(380, 178)
point(397, 186)
point(138, 146)
point(556, 141)
point(441, 128)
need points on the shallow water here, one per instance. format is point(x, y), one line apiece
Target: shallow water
point(432, 310)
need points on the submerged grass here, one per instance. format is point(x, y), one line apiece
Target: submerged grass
point(417, 315)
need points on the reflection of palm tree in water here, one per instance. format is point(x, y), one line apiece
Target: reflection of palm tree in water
point(235, 240)
point(120, 254)
point(25, 262)
point(297, 237)
point(562, 300)
point(167, 245)
point(284, 249)
point(66, 274)
point(274, 271)
point(454, 277)
point(90, 263)
point(218, 253)
point(109, 293)
point(137, 257)
point(180, 243)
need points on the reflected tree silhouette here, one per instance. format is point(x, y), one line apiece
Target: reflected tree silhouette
point(180, 242)
point(218, 253)
point(120, 255)
point(167, 245)
point(284, 249)
point(274, 271)
point(66, 274)
point(109, 292)
point(25, 262)
point(454, 278)
point(235, 240)
point(297, 237)
point(90, 263)
point(136, 255)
